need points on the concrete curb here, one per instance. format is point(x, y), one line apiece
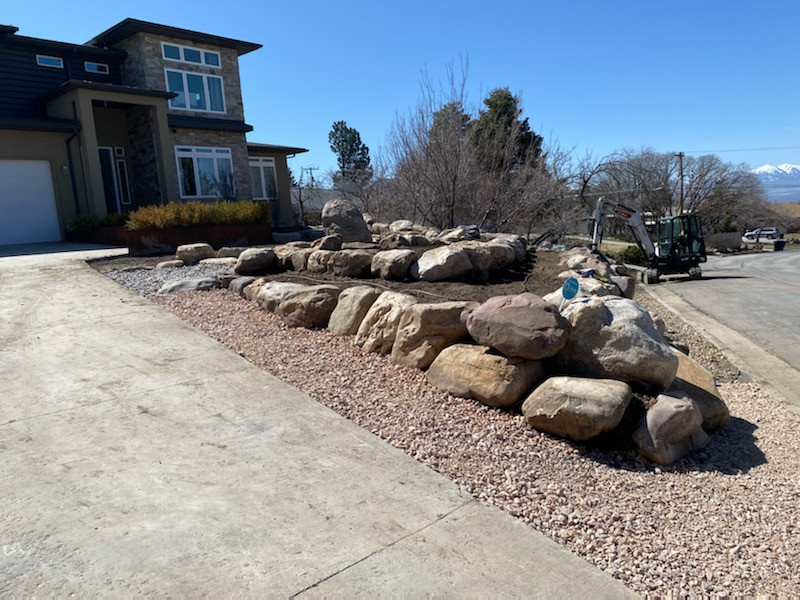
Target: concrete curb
point(773, 374)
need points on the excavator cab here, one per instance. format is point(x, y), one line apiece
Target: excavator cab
point(681, 247)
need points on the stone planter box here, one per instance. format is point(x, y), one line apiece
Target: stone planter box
point(166, 241)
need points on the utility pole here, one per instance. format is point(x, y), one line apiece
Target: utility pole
point(680, 156)
point(310, 173)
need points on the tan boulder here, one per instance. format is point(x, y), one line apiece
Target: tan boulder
point(671, 429)
point(378, 330)
point(426, 329)
point(445, 263)
point(230, 251)
point(224, 261)
point(350, 263)
point(311, 307)
point(250, 291)
point(318, 260)
point(328, 242)
point(170, 264)
point(194, 253)
point(354, 303)
point(392, 264)
point(272, 293)
point(254, 260)
point(475, 372)
point(577, 408)
point(697, 383)
point(300, 258)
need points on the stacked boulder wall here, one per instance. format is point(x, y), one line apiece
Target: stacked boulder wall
point(392, 264)
point(523, 326)
point(426, 329)
point(272, 293)
point(350, 263)
point(378, 330)
point(476, 372)
point(254, 260)
point(354, 303)
point(342, 218)
point(445, 263)
point(615, 338)
point(697, 383)
point(308, 308)
point(671, 429)
point(577, 408)
point(193, 253)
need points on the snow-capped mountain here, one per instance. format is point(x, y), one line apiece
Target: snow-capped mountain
point(781, 182)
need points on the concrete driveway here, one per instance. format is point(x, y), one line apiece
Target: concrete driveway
point(141, 457)
point(751, 305)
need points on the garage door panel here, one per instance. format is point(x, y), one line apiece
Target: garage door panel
point(28, 212)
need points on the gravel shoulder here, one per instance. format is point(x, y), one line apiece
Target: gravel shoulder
point(724, 521)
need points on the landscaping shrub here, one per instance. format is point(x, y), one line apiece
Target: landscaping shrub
point(632, 255)
point(85, 224)
point(186, 214)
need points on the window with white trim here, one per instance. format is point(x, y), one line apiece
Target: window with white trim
point(263, 178)
point(49, 61)
point(95, 67)
point(188, 54)
point(204, 172)
point(196, 91)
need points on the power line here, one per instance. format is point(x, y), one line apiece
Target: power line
point(742, 150)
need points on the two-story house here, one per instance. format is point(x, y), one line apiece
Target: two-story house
point(143, 113)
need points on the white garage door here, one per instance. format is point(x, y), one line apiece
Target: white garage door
point(27, 203)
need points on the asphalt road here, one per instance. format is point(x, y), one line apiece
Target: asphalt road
point(757, 295)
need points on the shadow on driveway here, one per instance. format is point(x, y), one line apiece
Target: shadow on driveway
point(50, 248)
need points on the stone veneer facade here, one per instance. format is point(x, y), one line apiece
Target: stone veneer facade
point(144, 68)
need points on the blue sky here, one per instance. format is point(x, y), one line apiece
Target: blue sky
point(596, 76)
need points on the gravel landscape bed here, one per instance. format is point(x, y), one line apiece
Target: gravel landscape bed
point(724, 521)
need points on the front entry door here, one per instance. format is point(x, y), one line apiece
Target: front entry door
point(115, 179)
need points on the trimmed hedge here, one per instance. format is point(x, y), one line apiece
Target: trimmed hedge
point(187, 214)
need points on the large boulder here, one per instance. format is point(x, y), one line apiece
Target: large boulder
point(254, 260)
point(194, 253)
point(350, 263)
point(426, 329)
point(227, 261)
point(170, 264)
point(328, 242)
point(516, 242)
point(401, 225)
point(392, 264)
point(481, 256)
point(238, 284)
point(378, 330)
point(615, 338)
point(272, 293)
point(577, 408)
point(250, 291)
point(354, 303)
point(230, 251)
point(311, 307)
point(318, 260)
point(445, 263)
point(523, 325)
point(283, 255)
point(341, 217)
point(300, 258)
point(475, 372)
point(197, 284)
point(457, 234)
point(697, 383)
point(670, 430)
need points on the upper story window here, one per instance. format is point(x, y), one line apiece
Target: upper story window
point(195, 91)
point(49, 61)
point(95, 67)
point(187, 54)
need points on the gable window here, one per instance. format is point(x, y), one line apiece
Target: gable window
point(204, 172)
point(263, 178)
point(49, 61)
point(196, 91)
point(188, 54)
point(94, 67)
